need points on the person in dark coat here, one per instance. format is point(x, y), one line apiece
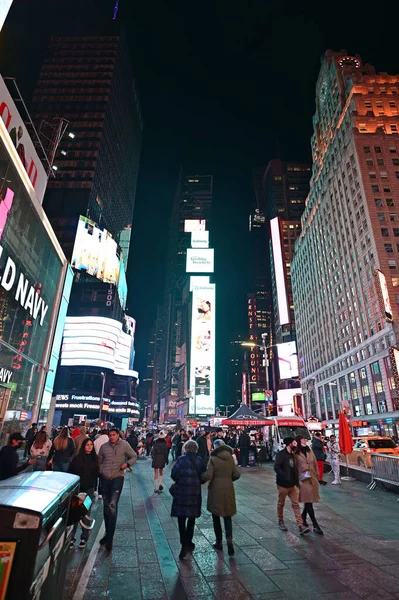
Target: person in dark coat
point(85, 466)
point(186, 505)
point(133, 440)
point(203, 445)
point(183, 440)
point(9, 458)
point(320, 454)
point(30, 437)
point(160, 455)
point(244, 442)
point(221, 472)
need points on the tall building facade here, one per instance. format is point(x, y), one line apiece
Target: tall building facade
point(90, 201)
point(192, 208)
point(345, 269)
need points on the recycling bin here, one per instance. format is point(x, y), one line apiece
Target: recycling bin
point(34, 534)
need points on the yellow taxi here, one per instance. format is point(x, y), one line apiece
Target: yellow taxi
point(365, 446)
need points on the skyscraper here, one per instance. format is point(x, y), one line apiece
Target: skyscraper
point(192, 209)
point(345, 270)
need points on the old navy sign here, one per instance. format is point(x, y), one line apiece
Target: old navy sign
point(26, 295)
point(21, 139)
point(5, 375)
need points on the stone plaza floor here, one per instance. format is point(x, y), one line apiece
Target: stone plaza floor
point(358, 557)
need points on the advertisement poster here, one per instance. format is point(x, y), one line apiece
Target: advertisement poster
point(191, 225)
point(96, 252)
point(200, 260)
point(202, 380)
point(7, 552)
point(287, 360)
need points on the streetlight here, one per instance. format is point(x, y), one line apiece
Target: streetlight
point(102, 394)
point(226, 406)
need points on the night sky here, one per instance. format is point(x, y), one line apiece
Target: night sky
point(225, 86)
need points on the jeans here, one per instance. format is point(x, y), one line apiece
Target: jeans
point(40, 463)
point(63, 467)
point(85, 532)
point(217, 527)
point(173, 452)
point(244, 457)
point(186, 533)
point(293, 495)
point(111, 489)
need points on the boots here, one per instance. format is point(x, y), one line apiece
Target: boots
point(230, 547)
point(218, 545)
point(304, 519)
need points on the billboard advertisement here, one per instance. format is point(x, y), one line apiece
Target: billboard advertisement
point(198, 280)
point(279, 272)
point(200, 261)
point(4, 8)
point(122, 285)
point(287, 360)
point(96, 252)
point(383, 295)
point(97, 342)
point(286, 403)
point(191, 225)
point(202, 368)
point(20, 137)
point(200, 239)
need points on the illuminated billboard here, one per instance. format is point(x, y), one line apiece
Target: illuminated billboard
point(200, 261)
point(258, 397)
point(286, 402)
point(383, 295)
point(4, 8)
point(122, 285)
point(191, 225)
point(97, 342)
point(200, 239)
point(198, 280)
point(96, 252)
point(202, 368)
point(279, 273)
point(287, 360)
point(27, 155)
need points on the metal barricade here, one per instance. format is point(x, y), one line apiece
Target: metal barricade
point(384, 469)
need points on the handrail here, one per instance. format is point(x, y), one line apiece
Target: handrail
point(384, 469)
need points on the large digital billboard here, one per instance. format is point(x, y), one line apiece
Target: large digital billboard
point(200, 239)
point(122, 285)
point(196, 280)
point(200, 260)
point(287, 360)
point(97, 342)
point(383, 295)
point(191, 225)
point(202, 368)
point(279, 272)
point(96, 252)
point(4, 8)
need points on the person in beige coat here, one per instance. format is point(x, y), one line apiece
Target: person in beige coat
point(221, 472)
point(306, 464)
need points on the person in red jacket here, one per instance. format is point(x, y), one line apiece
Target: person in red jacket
point(169, 442)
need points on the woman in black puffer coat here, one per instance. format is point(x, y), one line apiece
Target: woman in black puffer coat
point(159, 454)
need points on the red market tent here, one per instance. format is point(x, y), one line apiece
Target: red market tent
point(245, 417)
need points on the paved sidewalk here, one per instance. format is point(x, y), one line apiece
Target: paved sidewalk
point(358, 557)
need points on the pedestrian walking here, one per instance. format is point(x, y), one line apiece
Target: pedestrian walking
point(287, 484)
point(29, 438)
point(159, 454)
point(334, 451)
point(319, 452)
point(221, 472)
point(202, 441)
point(9, 458)
point(186, 505)
point(113, 459)
point(40, 451)
point(149, 438)
point(78, 441)
point(308, 476)
point(183, 440)
point(84, 464)
point(133, 440)
point(175, 442)
point(244, 442)
point(62, 451)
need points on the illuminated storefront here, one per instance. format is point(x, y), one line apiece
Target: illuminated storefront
point(32, 272)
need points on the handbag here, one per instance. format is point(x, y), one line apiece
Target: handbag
point(305, 476)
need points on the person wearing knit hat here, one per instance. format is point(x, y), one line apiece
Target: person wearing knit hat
point(287, 484)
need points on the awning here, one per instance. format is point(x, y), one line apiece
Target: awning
point(246, 417)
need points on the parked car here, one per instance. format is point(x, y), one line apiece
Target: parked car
point(365, 446)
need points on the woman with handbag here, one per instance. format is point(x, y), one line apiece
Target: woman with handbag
point(186, 491)
point(308, 475)
point(221, 472)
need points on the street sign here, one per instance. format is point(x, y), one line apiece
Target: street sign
point(269, 393)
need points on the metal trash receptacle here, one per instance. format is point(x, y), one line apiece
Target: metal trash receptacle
point(34, 535)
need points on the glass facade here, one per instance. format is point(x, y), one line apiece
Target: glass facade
point(365, 388)
point(30, 270)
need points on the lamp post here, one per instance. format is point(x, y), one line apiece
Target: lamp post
point(102, 395)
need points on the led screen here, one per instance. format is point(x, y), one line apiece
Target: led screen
point(191, 225)
point(198, 280)
point(200, 261)
point(200, 239)
point(96, 252)
point(383, 295)
point(202, 370)
point(287, 360)
point(279, 272)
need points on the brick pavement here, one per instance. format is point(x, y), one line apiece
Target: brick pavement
point(357, 558)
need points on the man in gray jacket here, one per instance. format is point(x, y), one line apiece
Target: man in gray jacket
point(114, 457)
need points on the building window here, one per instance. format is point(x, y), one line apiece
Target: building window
point(388, 248)
point(392, 264)
point(378, 202)
point(380, 162)
point(390, 202)
point(395, 161)
point(386, 188)
point(375, 188)
point(377, 149)
point(383, 175)
point(373, 175)
point(394, 128)
point(381, 216)
point(393, 217)
point(396, 231)
point(392, 149)
point(385, 232)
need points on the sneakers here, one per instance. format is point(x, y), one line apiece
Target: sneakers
point(322, 482)
point(335, 483)
point(303, 529)
point(72, 543)
point(282, 526)
point(156, 491)
point(318, 530)
point(218, 545)
point(82, 544)
point(161, 488)
point(230, 547)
